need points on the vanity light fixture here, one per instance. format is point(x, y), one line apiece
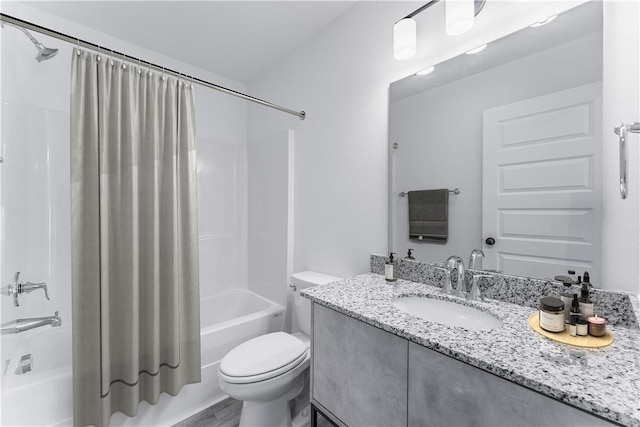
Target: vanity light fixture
point(404, 39)
point(476, 50)
point(459, 17)
point(426, 71)
point(544, 22)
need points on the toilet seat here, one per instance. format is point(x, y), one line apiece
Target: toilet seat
point(263, 358)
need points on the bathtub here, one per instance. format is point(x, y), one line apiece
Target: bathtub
point(43, 397)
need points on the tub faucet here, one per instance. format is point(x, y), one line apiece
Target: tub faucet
point(21, 325)
point(455, 262)
point(475, 260)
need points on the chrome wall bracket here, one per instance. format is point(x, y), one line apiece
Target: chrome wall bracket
point(622, 130)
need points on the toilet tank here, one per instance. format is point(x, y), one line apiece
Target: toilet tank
point(302, 280)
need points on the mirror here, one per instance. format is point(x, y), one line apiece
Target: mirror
point(517, 128)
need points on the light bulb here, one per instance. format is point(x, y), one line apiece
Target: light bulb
point(404, 39)
point(459, 16)
point(426, 71)
point(476, 50)
point(543, 22)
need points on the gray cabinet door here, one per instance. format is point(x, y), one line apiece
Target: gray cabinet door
point(446, 392)
point(359, 372)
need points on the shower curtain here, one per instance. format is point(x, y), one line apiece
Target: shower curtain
point(136, 316)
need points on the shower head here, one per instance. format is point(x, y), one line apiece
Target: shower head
point(44, 53)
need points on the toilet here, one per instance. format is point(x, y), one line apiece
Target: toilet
point(266, 372)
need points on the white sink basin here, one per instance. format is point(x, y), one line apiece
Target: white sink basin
point(447, 313)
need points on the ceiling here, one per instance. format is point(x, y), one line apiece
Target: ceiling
point(235, 39)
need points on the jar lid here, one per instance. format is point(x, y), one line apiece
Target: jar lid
point(551, 304)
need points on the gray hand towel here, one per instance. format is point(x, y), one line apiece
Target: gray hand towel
point(429, 215)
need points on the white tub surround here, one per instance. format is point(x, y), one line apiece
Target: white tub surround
point(604, 382)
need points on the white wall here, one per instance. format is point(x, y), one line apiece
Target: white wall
point(439, 135)
point(621, 103)
point(268, 215)
point(341, 79)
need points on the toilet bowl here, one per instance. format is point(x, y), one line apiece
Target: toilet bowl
point(266, 372)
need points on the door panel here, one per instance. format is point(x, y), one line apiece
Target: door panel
point(541, 183)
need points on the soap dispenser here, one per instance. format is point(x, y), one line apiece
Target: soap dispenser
point(388, 269)
point(409, 254)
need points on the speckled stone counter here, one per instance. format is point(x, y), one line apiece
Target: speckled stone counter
point(605, 382)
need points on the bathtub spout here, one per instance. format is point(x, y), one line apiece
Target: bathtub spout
point(21, 325)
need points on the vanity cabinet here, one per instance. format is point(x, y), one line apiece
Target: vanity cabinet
point(364, 376)
point(359, 372)
point(445, 391)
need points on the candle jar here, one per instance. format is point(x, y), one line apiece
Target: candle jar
point(551, 314)
point(597, 326)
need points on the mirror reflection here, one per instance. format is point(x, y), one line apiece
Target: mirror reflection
point(516, 128)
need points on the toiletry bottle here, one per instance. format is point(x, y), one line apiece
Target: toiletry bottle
point(566, 297)
point(575, 311)
point(586, 306)
point(409, 254)
point(572, 274)
point(388, 269)
point(573, 326)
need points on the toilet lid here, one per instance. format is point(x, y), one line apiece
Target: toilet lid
point(264, 354)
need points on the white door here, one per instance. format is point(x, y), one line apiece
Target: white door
point(542, 184)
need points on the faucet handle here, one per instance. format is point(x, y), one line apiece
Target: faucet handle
point(25, 288)
point(16, 288)
point(476, 294)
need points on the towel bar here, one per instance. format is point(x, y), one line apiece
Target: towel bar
point(621, 130)
point(454, 191)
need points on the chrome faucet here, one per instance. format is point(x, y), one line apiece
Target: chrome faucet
point(475, 260)
point(455, 262)
point(14, 289)
point(447, 288)
point(22, 325)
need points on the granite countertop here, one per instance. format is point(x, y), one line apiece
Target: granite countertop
point(604, 381)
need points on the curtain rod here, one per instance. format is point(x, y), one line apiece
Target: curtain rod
point(79, 42)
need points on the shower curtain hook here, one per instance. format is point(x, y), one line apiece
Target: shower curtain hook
point(124, 65)
point(99, 52)
point(139, 69)
point(111, 58)
point(163, 78)
point(78, 50)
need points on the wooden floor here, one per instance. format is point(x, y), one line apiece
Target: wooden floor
point(225, 414)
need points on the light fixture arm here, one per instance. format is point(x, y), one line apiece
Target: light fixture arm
point(421, 9)
point(478, 5)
